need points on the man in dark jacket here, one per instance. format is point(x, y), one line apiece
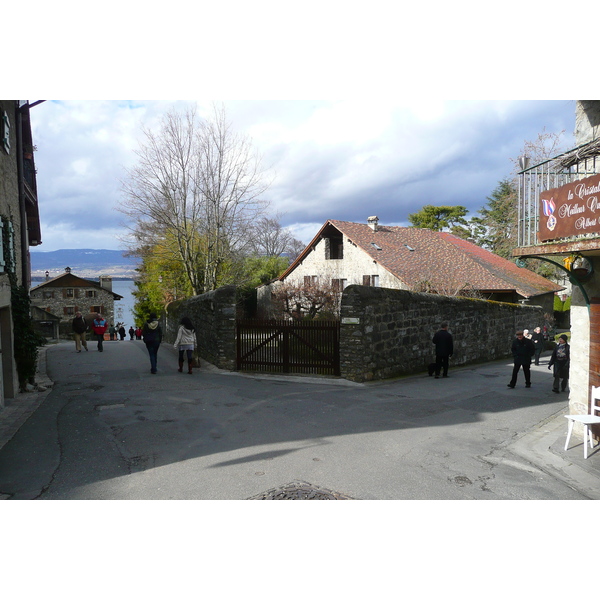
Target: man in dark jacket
point(444, 348)
point(79, 326)
point(522, 350)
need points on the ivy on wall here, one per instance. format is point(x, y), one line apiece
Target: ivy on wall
point(26, 340)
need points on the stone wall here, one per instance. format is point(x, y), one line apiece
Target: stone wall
point(213, 316)
point(386, 333)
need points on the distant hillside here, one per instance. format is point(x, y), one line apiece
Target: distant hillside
point(83, 262)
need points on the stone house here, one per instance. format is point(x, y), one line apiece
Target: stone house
point(19, 226)
point(558, 208)
point(66, 294)
point(408, 258)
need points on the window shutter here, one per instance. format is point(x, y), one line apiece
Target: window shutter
point(76, 293)
point(6, 132)
point(366, 280)
point(2, 261)
point(64, 293)
point(64, 310)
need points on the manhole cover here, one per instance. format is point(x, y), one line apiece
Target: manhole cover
point(300, 490)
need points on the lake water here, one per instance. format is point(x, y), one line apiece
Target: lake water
point(124, 308)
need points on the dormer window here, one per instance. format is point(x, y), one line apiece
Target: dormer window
point(334, 247)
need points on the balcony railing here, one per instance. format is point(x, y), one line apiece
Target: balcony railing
point(565, 168)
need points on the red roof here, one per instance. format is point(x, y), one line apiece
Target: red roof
point(445, 261)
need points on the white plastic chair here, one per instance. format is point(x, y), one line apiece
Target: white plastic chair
point(587, 420)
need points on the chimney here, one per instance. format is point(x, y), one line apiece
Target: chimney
point(373, 222)
point(106, 282)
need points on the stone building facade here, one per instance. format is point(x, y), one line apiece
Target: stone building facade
point(66, 294)
point(19, 226)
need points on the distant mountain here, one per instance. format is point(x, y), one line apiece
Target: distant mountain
point(83, 262)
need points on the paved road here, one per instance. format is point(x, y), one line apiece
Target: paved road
point(111, 430)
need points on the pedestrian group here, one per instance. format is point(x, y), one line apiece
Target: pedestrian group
point(524, 348)
point(151, 333)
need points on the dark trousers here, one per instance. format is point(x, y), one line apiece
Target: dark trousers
point(189, 354)
point(526, 371)
point(100, 339)
point(538, 353)
point(153, 353)
point(441, 362)
point(560, 372)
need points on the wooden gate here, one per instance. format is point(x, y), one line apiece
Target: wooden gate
point(293, 347)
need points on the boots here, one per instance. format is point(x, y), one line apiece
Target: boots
point(189, 367)
point(180, 366)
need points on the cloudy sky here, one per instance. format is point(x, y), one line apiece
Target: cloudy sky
point(345, 159)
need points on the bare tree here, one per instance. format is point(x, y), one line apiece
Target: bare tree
point(199, 183)
point(298, 300)
point(232, 181)
point(270, 238)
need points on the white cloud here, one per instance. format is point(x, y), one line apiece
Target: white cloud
point(328, 159)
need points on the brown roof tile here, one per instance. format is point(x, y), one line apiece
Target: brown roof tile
point(417, 255)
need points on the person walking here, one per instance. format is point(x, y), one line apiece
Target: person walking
point(444, 348)
point(537, 337)
point(522, 350)
point(122, 333)
point(560, 360)
point(138, 333)
point(99, 326)
point(185, 342)
point(112, 332)
point(79, 327)
point(131, 333)
point(152, 336)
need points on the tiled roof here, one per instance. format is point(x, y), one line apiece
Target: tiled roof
point(69, 280)
point(418, 255)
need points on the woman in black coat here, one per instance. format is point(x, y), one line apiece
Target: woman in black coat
point(560, 360)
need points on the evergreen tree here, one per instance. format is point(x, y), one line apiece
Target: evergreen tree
point(498, 220)
point(438, 218)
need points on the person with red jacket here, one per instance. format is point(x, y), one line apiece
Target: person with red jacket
point(99, 325)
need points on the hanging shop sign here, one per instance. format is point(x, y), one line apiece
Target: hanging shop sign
point(572, 209)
